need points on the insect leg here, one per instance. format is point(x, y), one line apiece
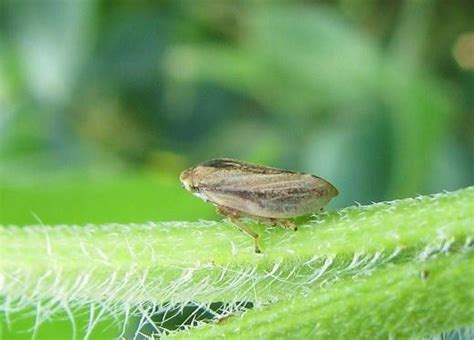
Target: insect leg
point(242, 227)
point(233, 217)
point(288, 224)
point(273, 222)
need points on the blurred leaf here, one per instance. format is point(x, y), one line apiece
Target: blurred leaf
point(291, 59)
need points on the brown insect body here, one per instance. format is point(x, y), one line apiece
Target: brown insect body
point(256, 190)
point(239, 188)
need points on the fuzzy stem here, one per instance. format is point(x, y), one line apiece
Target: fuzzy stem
point(408, 300)
point(127, 268)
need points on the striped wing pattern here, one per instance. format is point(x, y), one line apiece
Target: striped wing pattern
point(273, 195)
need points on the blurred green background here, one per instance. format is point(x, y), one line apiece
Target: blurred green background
point(103, 103)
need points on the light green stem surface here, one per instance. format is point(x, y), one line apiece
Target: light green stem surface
point(408, 300)
point(350, 260)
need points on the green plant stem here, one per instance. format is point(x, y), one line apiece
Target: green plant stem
point(408, 300)
point(127, 268)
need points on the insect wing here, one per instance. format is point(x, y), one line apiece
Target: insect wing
point(267, 195)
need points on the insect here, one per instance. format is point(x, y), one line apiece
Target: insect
point(239, 189)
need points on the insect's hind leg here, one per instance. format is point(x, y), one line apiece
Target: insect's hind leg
point(284, 223)
point(234, 218)
point(289, 224)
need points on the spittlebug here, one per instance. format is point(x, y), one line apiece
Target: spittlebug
point(241, 189)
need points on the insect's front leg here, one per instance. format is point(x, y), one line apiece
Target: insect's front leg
point(233, 216)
